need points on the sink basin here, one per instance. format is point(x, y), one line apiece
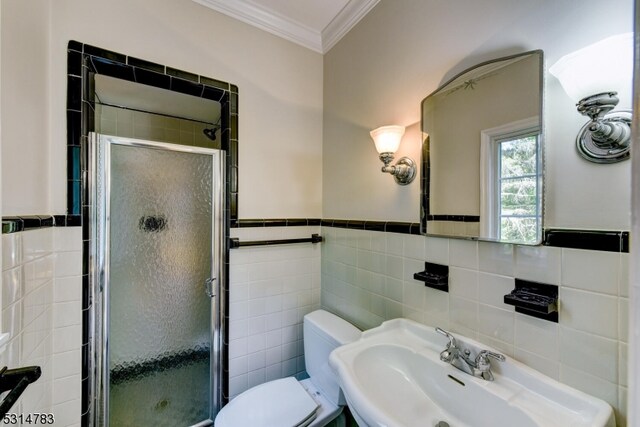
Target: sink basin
point(393, 376)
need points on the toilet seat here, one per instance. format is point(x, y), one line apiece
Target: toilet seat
point(278, 403)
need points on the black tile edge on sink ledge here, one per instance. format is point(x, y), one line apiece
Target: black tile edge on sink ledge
point(16, 224)
point(596, 240)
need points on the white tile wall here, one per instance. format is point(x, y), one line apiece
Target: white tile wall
point(587, 349)
point(27, 296)
point(366, 278)
point(271, 289)
point(41, 297)
point(67, 325)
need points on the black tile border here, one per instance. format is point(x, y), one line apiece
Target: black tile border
point(454, 218)
point(384, 226)
point(16, 224)
point(84, 61)
point(596, 240)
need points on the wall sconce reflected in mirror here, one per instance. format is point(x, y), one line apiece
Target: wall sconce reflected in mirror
point(387, 140)
point(592, 77)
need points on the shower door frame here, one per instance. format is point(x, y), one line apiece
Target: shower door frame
point(99, 260)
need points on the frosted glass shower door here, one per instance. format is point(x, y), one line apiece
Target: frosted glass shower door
point(160, 206)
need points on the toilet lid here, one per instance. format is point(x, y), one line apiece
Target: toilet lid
point(279, 403)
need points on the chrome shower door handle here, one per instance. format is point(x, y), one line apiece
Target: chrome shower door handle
point(209, 287)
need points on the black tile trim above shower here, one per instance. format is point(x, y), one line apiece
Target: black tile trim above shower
point(85, 60)
point(16, 224)
point(595, 240)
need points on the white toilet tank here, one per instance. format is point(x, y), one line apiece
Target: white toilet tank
point(323, 332)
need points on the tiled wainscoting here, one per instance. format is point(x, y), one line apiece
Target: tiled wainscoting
point(41, 308)
point(367, 277)
point(271, 289)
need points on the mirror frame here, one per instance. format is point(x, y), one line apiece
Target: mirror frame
point(426, 161)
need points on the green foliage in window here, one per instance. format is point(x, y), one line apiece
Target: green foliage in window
point(519, 198)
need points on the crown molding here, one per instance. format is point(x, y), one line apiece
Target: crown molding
point(344, 21)
point(266, 20)
point(289, 29)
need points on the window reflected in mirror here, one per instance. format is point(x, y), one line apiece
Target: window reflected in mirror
point(518, 211)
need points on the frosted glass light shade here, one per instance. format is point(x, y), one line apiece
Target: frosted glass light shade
point(387, 138)
point(605, 66)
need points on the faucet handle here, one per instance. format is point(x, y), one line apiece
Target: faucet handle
point(482, 359)
point(452, 339)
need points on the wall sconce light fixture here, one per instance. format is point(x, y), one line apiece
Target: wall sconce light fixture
point(387, 140)
point(592, 76)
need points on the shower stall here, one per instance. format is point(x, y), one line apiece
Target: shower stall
point(157, 263)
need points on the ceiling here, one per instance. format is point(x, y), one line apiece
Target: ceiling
point(314, 24)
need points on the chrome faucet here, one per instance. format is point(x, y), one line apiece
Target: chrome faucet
point(461, 358)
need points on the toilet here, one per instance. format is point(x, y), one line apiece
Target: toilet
point(287, 402)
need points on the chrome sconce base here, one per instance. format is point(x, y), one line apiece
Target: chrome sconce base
point(404, 171)
point(607, 137)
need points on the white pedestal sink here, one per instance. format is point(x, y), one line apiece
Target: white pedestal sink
point(393, 376)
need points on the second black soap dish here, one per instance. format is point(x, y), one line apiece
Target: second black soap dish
point(535, 299)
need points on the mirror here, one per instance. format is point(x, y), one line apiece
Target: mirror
point(482, 174)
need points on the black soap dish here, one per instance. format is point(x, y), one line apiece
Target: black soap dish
point(434, 276)
point(534, 299)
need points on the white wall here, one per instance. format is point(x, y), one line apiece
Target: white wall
point(280, 87)
point(25, 119)
point(402, 50)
